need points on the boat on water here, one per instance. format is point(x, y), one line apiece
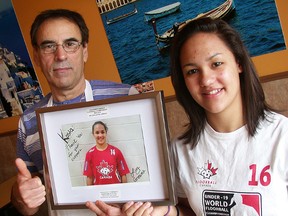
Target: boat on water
point(219, 12)
point(121, 17)
point(161, 12)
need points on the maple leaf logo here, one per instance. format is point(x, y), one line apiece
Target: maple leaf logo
point(104, 168)
point(207, 171)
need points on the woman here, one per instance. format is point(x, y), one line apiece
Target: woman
point(233, 157)
point(104, 163)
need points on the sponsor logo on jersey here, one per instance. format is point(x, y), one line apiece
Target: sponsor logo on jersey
point(228, 203)
point(207, 171)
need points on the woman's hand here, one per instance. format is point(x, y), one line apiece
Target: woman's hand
point(103, 209)
point(143, 209)
point(128, 209)
point(137, 209)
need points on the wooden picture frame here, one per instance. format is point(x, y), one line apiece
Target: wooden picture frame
point(141, 117)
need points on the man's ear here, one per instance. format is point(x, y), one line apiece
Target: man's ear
point(240, 69)
point(36, 57)
point(85, 52)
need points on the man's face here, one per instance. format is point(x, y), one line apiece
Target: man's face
point(63, 71)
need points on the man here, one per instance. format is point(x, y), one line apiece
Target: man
point(60, 47)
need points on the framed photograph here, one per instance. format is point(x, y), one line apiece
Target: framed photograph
point(19, 87)
point(137, 127)
point(149, 44)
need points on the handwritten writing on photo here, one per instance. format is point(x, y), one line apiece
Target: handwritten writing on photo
point(137, 173)
point(72, 144)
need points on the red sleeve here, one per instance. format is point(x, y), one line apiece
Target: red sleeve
point(121, 164)
point(87, 165)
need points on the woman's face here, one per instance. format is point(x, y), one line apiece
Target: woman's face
point(100, 134)
point(211, 73)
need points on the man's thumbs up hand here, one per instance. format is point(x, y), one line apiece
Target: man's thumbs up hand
point(28, 190)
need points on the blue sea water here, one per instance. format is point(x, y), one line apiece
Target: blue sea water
point(134, 47)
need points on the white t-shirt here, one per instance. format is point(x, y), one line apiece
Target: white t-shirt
point(234, 174)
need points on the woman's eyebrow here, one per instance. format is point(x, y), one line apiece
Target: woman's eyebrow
point(213, 56)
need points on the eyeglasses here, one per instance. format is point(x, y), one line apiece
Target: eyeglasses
point(68, 46)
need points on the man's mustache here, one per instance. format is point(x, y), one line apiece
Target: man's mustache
point(61, 65)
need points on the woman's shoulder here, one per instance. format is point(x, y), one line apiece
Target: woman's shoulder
point(276, 118)
point(178, 145)
point(274, 122)
point(113, 147)
point(91, 150)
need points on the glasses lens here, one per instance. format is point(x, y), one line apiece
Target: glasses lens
point(68, 46)
point(48, 48)
point(71, 46)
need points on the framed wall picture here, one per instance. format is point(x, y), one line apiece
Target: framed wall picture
point(137, 126)
point(147, 43)
point(19, 85)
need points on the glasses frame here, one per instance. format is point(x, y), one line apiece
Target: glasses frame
point(55, 45)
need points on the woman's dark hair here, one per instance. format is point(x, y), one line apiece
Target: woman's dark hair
point(99, 122)
point(251, 90)
point(55, 14)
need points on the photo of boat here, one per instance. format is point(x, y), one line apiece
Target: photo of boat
point(133, 41)
point(221, 11)
point(121, 17)
point(161, 12)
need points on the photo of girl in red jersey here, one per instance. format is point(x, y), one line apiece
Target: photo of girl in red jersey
point(104, 163)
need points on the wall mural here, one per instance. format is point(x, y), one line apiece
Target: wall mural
point(19, 88)
point(141, 54)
